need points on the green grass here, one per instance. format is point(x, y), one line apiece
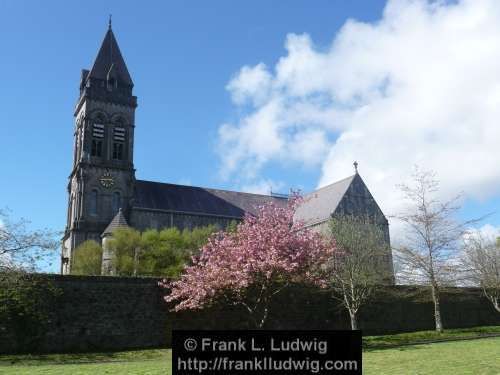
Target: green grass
point(377, 342)
point(479, 356)
point(124, 356)
point(134, 368)
point(138, 362)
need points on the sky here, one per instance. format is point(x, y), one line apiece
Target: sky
point(263, 94)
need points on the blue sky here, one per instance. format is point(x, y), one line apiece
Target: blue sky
point(190, 123)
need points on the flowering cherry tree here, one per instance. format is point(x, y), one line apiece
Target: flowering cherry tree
point(250, 265)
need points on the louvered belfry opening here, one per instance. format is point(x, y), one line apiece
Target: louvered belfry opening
point(97, 139)
point(118, 142)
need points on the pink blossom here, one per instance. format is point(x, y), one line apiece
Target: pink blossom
point(265, 249)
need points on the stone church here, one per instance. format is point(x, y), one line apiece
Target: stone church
point(104, 193)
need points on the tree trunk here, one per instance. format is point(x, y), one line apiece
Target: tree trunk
point(437, 308)
point(354, 321)
point(493, 297)
point(496, 304)
point(135, 261)
point(264, 318)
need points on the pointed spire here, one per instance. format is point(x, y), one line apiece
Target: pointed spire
point(355, 167)
point(118, 222)
point(109, 54)
point(109, 22)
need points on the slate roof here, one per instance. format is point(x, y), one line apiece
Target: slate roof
point(198, 200)
point(321, 203)
point(118, 221)
point(109, 60)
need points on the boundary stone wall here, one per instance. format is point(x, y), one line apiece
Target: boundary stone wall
point(95, 313)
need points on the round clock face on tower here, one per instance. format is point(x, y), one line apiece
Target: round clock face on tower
point(107, 180)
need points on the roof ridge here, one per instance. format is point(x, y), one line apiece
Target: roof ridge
point(321, 203)
point(243, 192)
point(210, 189)
point(333, 183)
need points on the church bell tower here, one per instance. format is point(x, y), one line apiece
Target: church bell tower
point(102, 178)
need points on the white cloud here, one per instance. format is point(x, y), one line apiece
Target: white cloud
point(254, 143)
point(251, 83)
point(264, 186)
point(419, 86)
point(487, 232)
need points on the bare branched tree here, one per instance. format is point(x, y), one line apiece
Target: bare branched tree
point(359, 265)
point(20, 247)
point(481, 262)
point(431, 243)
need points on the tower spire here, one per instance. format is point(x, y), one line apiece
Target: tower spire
point(109, 54)
point(355, 167)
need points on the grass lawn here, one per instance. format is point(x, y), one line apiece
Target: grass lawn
point(387, 341)
point(479, 356)
point(152, 367)
point(140, 362)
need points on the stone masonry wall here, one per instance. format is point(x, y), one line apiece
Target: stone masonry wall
point(111, 313)
point(102, 313)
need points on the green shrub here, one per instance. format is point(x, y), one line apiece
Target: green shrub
point(87, 259)
point(156, 252)
point(26, 302)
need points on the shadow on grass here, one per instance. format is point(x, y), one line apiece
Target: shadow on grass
point(123, 356)
point(427, 337)
point(399, 348)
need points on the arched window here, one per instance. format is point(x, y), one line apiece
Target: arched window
point(93, 202)
point(116, 202)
